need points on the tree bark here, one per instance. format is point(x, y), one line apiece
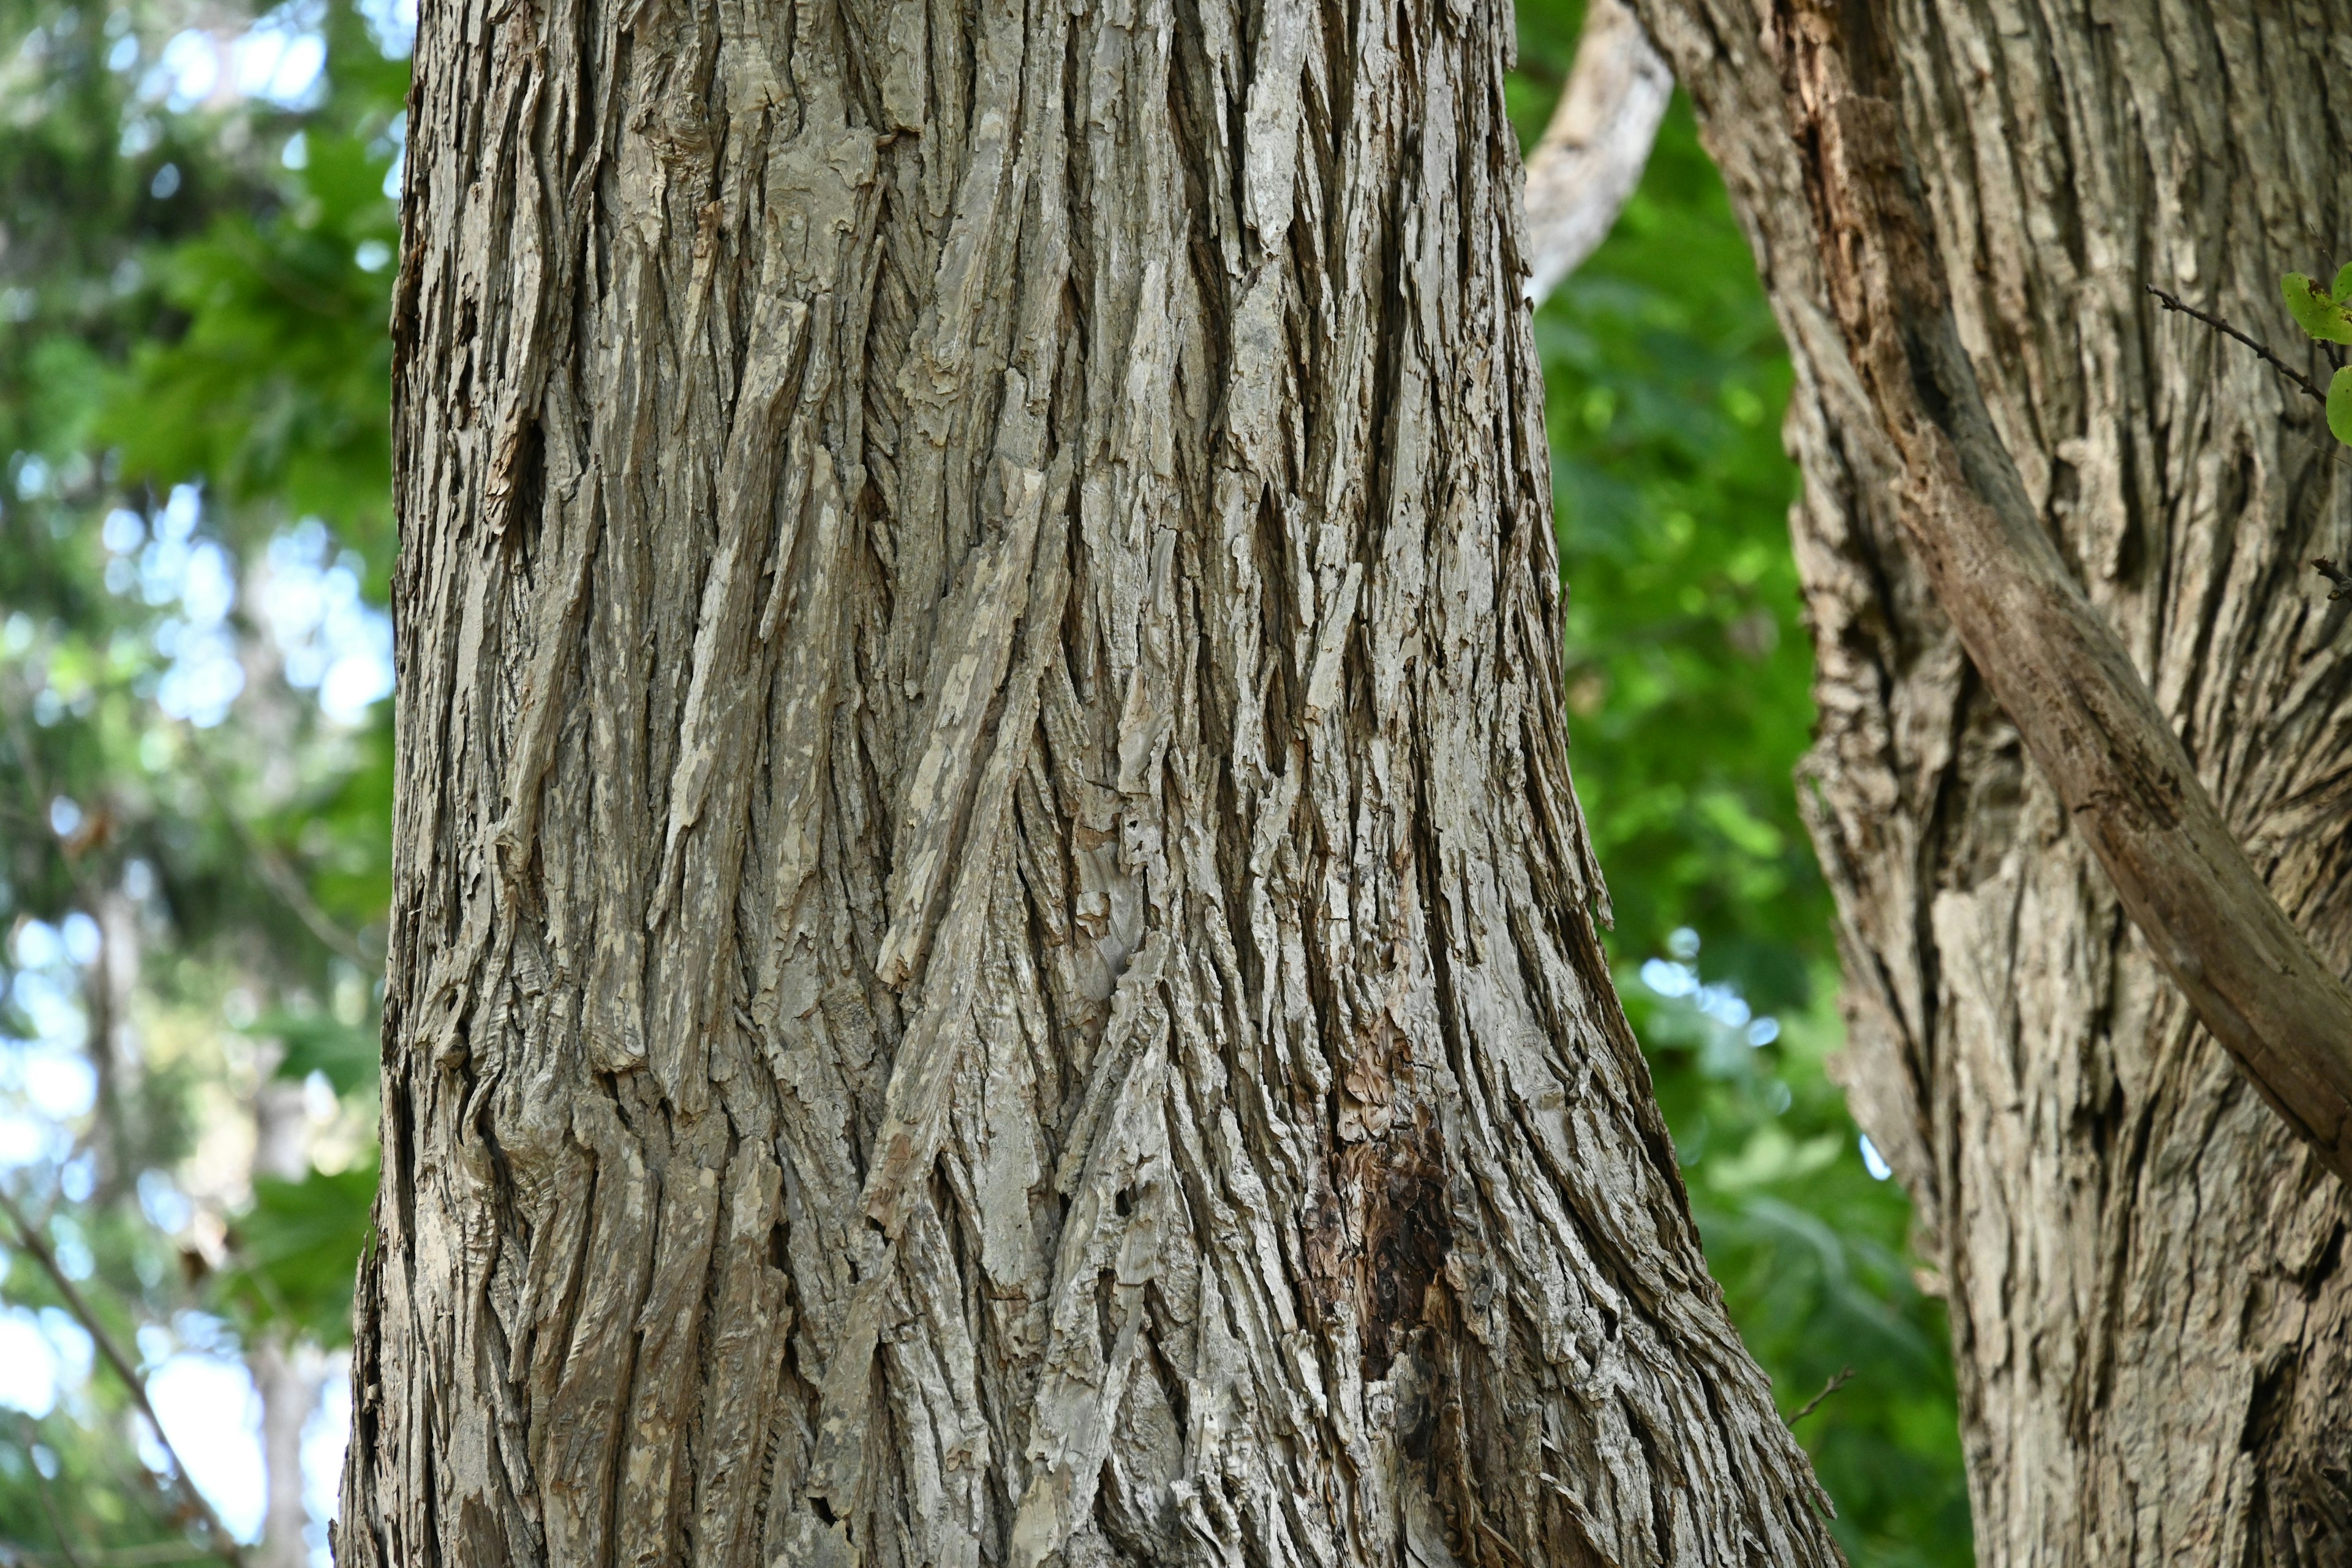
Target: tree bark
point(2151, 1314)
point(993, 955)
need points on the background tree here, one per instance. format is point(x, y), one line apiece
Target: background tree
point(193, 282)
point(1687, 675)
point(2145, 1266)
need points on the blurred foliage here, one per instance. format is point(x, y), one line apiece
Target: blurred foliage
point(1688, 676)
point(193, 392)
point(195, 240)
point(293, 1258)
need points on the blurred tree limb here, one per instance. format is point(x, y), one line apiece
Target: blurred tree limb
point(30, 1237)
point(1585, 169)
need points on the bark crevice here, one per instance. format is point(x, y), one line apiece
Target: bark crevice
point(993, 955)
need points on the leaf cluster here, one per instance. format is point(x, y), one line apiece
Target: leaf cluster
point(2326, 315)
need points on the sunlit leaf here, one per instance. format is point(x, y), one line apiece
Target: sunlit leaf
point(2316, 311)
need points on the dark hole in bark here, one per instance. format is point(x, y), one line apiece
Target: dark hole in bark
point(1406, 1236)
point(2267, 1410)
point(776, 1245)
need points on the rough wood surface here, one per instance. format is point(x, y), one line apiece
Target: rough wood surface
point(2150, 1306)
point(993, 958)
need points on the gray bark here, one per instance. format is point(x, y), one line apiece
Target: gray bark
point(993, 955)
point(2150, 1308)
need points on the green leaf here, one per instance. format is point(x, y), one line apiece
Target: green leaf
point(2340, 404)
point(295, 1250)
point(317, 1042)
point(2343, 290)
point(2314, 311)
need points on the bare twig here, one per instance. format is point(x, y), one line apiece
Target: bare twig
point(2172, 303)
point(29, 1236)
point(1844, 1376)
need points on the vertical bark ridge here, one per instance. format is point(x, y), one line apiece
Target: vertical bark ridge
point(995, 956)
point(2153, 1322)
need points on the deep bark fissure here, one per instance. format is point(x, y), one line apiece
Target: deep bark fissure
point(993, 956)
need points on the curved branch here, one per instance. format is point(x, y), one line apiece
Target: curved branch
point(1582, 173)
point(2049, 656)
point(28, 1238)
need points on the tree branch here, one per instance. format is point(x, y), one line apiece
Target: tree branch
point(1585, 169)
point(224, 1544)
point(2310, 387)
point(2049, 657)
point(1844, 1375)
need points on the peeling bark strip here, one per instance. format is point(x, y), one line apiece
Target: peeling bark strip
point(1959, 209)
point(993, 956)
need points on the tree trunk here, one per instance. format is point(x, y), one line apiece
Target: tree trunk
point(993, 956)
point(2149, 1300)
point(287, 1378)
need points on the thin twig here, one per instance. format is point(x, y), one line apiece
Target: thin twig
point(2218, 325)
point(1845, 1374)
point(224, 1544)
point(48, 1502)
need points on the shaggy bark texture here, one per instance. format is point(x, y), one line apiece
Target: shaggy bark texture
point(2146, 1269)
point(992, 958)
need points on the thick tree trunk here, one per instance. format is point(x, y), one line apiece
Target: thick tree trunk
point(2147, 1273)
point(993, 960)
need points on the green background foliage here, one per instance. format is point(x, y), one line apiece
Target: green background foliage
point(196, 361)
point(1688, 675)
point(193, 384)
